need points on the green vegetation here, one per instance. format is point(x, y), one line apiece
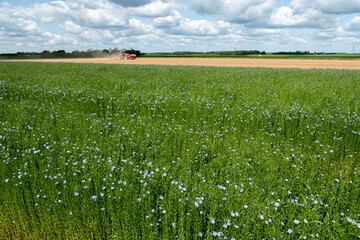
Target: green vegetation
point(159, 152)
point(338, 56)
point(63, 54)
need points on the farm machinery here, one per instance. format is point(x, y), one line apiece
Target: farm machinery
point(123, 56)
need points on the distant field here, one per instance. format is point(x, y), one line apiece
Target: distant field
point(223, 62)
point(256, 56)
point(106, 151)
point(267, 56)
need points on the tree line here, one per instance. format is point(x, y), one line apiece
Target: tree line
point(74, 54)
point(108, 52)
point(228, 53)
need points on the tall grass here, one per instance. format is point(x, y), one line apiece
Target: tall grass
point(158, 152)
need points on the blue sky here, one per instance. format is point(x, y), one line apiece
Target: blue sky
point(188, 25)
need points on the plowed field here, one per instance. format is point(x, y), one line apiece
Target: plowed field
point(224, 62)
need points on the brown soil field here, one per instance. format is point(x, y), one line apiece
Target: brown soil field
point(222, 62)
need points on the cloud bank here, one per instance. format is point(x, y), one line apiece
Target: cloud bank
point(169, 25)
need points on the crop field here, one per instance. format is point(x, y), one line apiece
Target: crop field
point(102, 151)
point(219, 62)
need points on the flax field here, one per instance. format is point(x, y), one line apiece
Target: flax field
point(93, 151)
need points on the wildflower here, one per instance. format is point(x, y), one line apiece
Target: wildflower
point(200, 234)
point(296, 221)
point(289, 231)
point(212, 221)
point(161, 197)
point(245, 206)
point(139, 199)
point(305, 221)
point(173, 225)
point(7, 180)
point(94, 198)
point(164, 211)
point(261, 217)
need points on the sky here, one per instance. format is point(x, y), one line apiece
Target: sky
point(187, 25)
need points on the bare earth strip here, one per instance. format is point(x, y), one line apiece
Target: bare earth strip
point(222, 62)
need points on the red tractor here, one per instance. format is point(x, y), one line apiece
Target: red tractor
point(124, 56)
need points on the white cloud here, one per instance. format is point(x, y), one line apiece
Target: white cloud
point(326, 34)
point(16, 25)
point(354, 24)
point(99, 14)
point(131, 3)
point(72, 27)
point(240, 11)
point(168, 21)
point(153, 9)
point(301, 14)
point(339, 6)
point(138, 27)
point(199, 28)
point(178, 25)
point(267, 32)
point(190, 24)
point(287, 17)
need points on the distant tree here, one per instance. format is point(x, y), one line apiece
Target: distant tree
point(59, 54)
point(114, 51)
point(132, 51)
point(293, 53)
point(45, 54)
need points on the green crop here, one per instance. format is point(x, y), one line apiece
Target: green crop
point(91, 151)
